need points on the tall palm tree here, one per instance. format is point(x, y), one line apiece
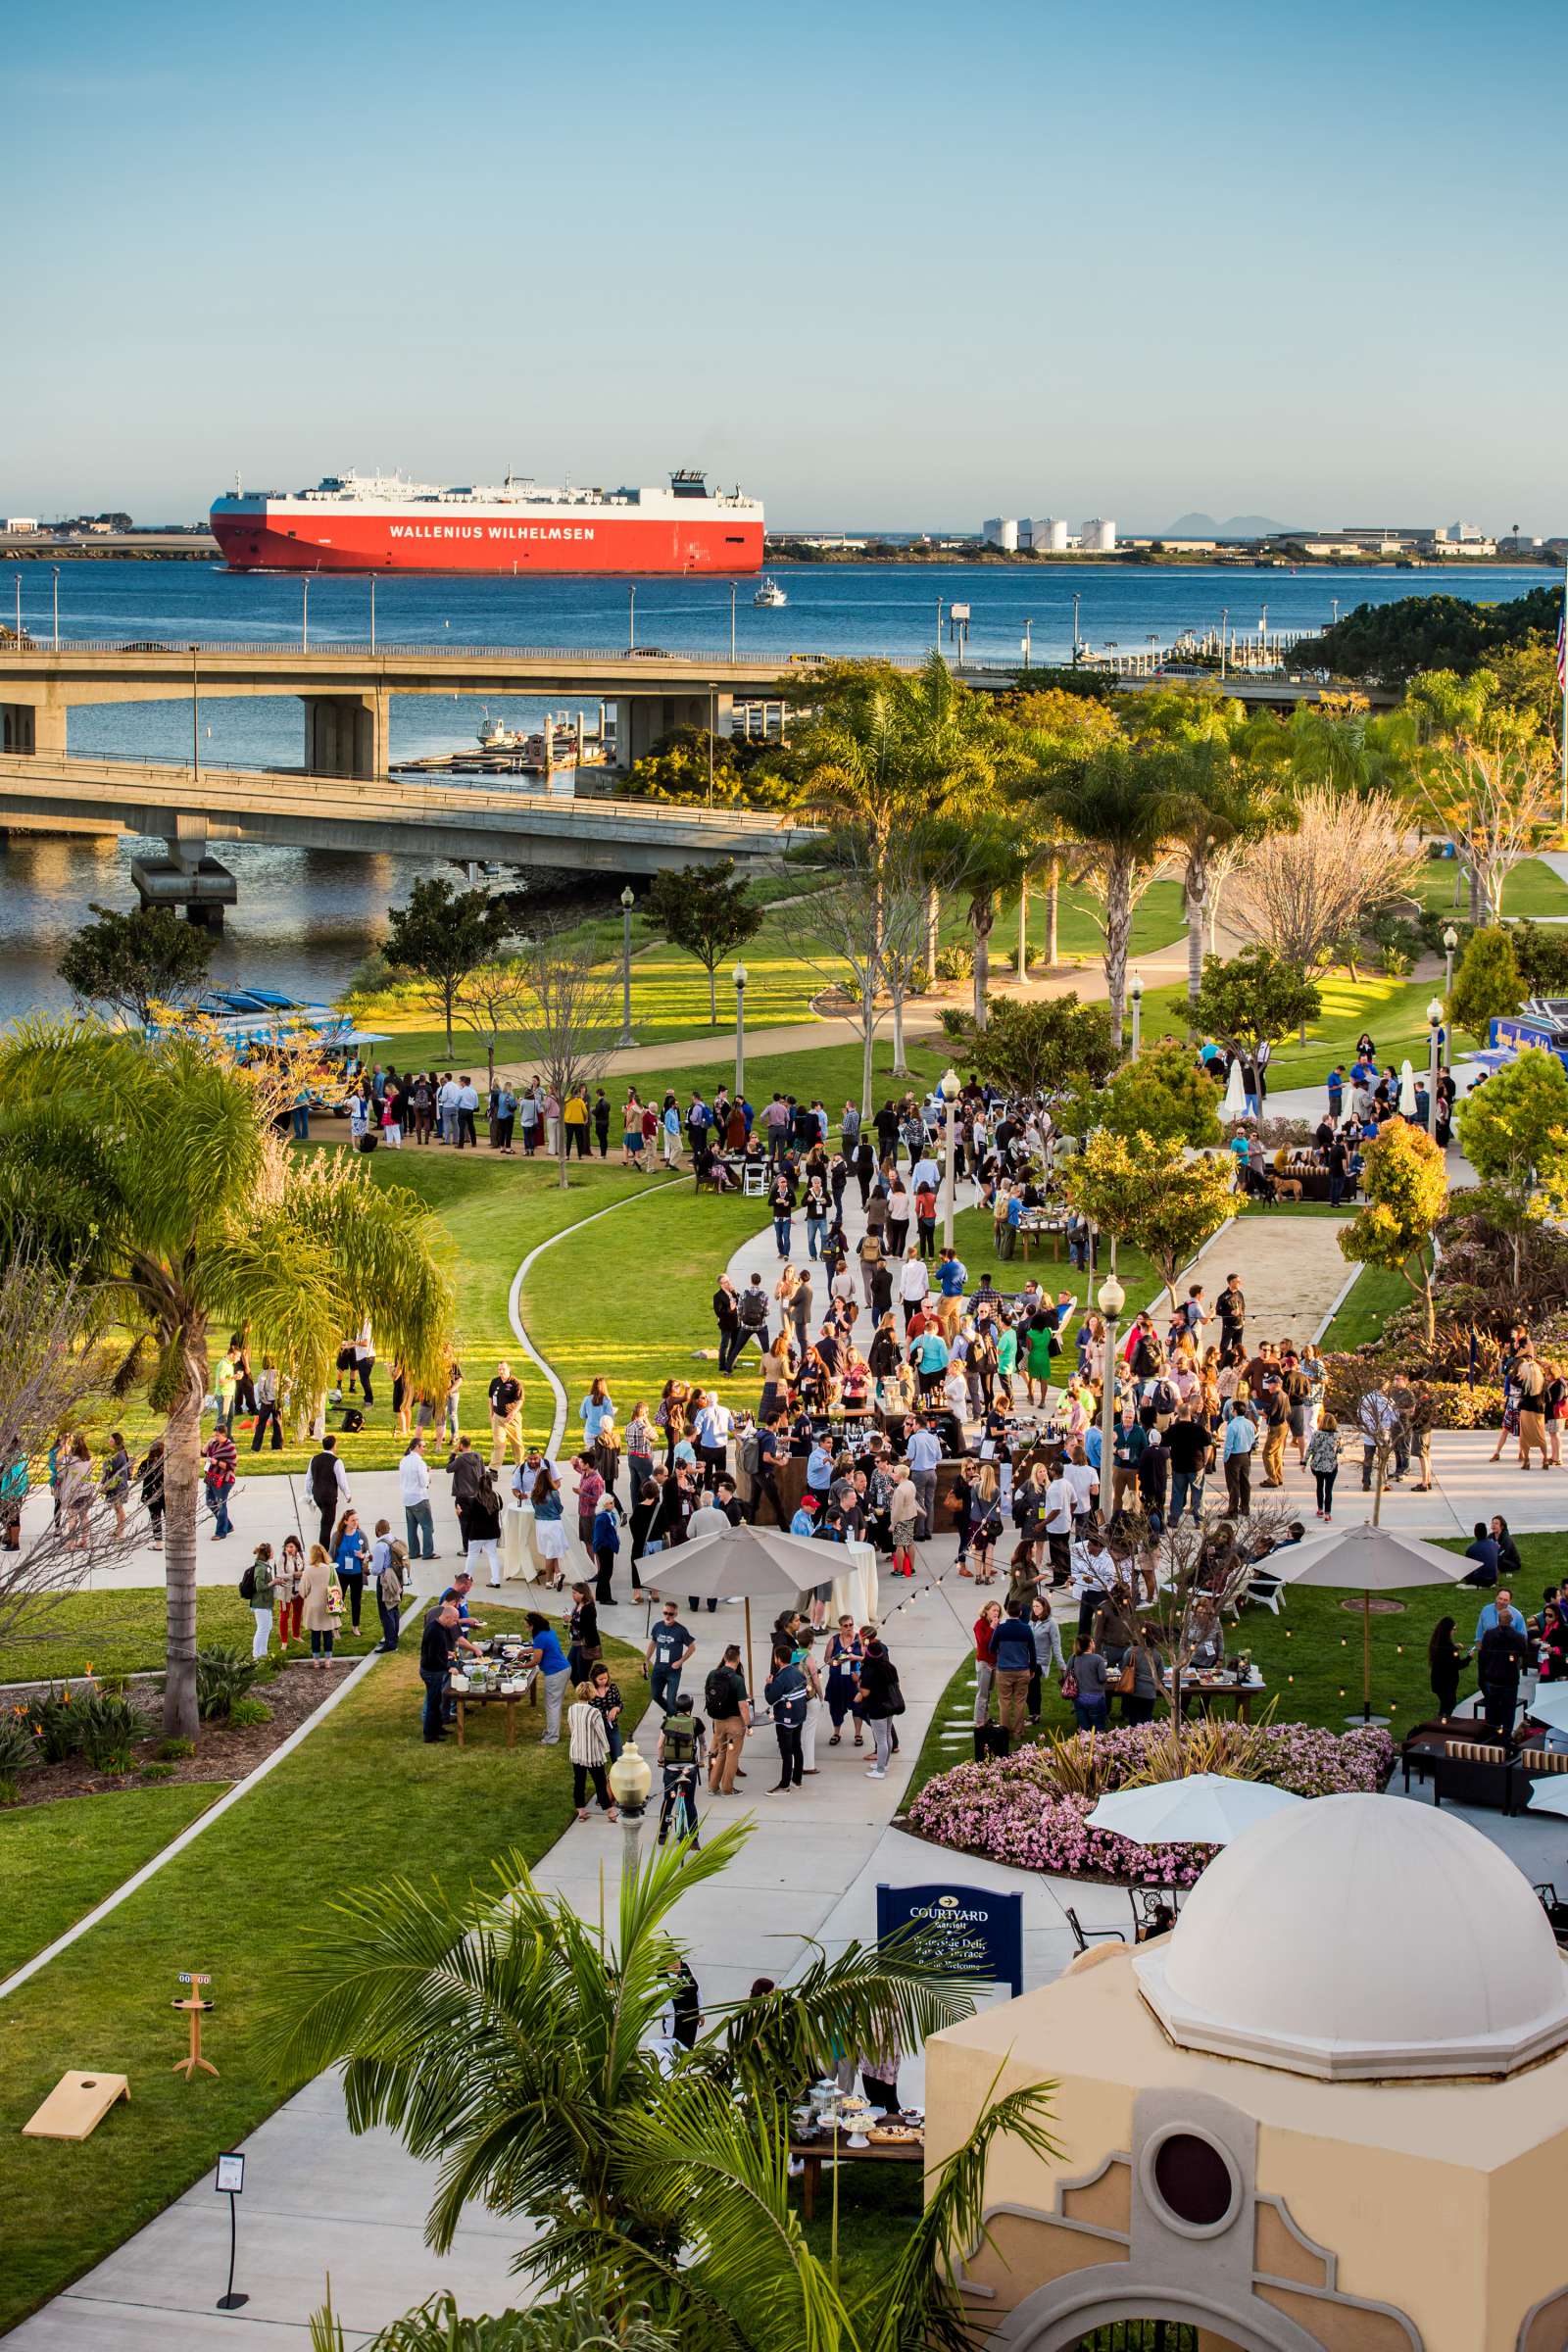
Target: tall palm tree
point(1112, 803)
point(507, 2037)
point(188, 1217)
point(1214, 803)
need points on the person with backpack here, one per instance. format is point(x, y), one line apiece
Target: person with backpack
point(680, 1758)
point(389, 1567)
point(220, 1456)
point(750, 1321)
point(328, 1483)
point(729, 1715)
point(256, 1588)
point(786, 1692)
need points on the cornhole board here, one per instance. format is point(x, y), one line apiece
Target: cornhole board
point(77, 2106)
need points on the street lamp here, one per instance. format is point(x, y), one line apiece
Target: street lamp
point(1136, 992)
point(629, 1782)
point(305, 612)
point(737, 976)
point(195, 724)
point(1028, 641)
point(732, 620)
point(1075, 632)
point(56, 570)
point(631, 616)
point(628, 899)
point(373, 612)
point(1112, 1298)
point(1435, 1029)
point(1450, 940)
point(1224, 635)
point(948, 1087)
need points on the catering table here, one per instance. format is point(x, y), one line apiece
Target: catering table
point(854, 1591)
point(1036, 1223)
point(510, 1700)
point(815, 2153)
point(1210, 1689)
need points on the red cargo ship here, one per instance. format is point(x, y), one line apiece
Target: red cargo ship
point(356, 523)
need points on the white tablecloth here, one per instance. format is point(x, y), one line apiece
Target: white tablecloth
point(517, 1542)
point(855, 1590)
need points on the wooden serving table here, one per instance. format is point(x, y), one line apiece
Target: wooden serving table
point(1212, 1690)
point(815, 2153)
point(511, 1700)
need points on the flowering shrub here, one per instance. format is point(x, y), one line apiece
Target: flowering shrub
point(1016, 1810)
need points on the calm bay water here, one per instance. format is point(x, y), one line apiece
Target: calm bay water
point(306, 919)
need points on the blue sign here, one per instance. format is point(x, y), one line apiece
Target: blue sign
point(1520, 1032)
point(970, 1929)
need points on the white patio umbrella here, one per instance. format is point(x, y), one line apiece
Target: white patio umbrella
point(1365, 1560)
point(1549, 1795)
point(1550, 1705)
point(744, 1563)
point(1206, 1808)
point(1234, 1106)
point(1407, 1089)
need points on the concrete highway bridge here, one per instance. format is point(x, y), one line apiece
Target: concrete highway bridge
point(347, 689)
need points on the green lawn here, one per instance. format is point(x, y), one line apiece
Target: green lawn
point(1375, 1296)
point(1532, 889)
point(363, 1795)
point(122, 1632)
point(58, 1860)
point(1391, 1012)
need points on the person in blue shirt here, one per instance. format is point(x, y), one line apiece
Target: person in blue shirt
point(820, 1467)
point(554, 1674)
point(1498, 1611)
point(786, 1692)
point(349, 1549)
point(803, 1522)
point(1336, 1092)
point(953, 1275)
point(1012, 1661)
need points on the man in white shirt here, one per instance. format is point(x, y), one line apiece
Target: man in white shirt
point(446, 1102)
point(914, 1283)
point(712, 1429)
point(926, 1170)
point(467, 1105)
point(1083, 1480)
point(413, 1481)
point(1059, 1507)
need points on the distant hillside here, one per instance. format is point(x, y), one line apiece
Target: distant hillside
point(1235, 527)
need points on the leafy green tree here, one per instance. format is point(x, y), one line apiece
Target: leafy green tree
point(507, 2036)
point(572, 2323)
point(1405, 1180)
point(690, 765)
point(1035, 1047)
point(1514, 1133)
point(1540, 950)
point(192, 1220)
point(1049, 728)
point(1164, 1093)
point(1150, 1195)
point(1254, 998)
point(441, 936)
point(1488, 985)
point(129, 963)
point(1217, 803)
point(1497, 804)
point(704, 909)
point(1389, 644)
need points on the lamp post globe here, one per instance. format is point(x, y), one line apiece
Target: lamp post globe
point(628, 899)
point(1450, 940)
point(1434, 1013)
point(948, 1087)
point(1111, 1299)
point(630, 1780)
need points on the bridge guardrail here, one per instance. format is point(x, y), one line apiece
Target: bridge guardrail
point(635, 658)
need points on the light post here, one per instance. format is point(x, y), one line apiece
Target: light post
point(737, 976)
point(1435, 1029)
point(195, 724)
point(1450, 940)
point(373, 612)
point(1075, 632)
point(940, 603)
point(948, 1087)
point(56, 570)
point(1028, 641)
point(1112, 1298)
point(1224, 635)
point(305, 612)
point(732, 620)
point(631, 616)
point(628, 899)
point(1136, 992)
point(629, 1782)
point(18, 585)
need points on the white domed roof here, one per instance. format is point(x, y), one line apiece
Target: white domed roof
point(1362, 1937)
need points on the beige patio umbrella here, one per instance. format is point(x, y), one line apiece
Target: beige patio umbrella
point(746, 1564)
point(1365, 1560)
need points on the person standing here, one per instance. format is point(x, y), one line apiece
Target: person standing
point(506, 1417)
point(726, 1314)
point(1323, 1460)
point(322, 1597)
point(387, 1570)
point(880, 1699)
point(923, 1452)
point(220, 1457)
point(549, 1659)
point(287, 1576)
point(588, 1745)
point(1445, 1663)
point(349, 1549)
point(328, 1483)
point(1500, 1660)
point(671, 1647)
point(482, 1527)
point(785, 1691)
point(846, 1654)
point(600, 1116)
point(414, 1482)
point(1013, 1659)
point(256, 1586)
point(267, 1412)
point(150, 1471)
point(436, 1646)
point(1241, 1437)
point(1231, 1308)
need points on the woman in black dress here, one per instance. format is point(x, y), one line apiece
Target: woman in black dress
point(1444, 1661)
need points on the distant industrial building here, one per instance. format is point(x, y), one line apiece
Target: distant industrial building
point(1098, 538)
point(1001, 531)
point(1047, 534)
point(18, 525)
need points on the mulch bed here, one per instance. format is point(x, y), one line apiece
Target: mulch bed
point(222, 1752)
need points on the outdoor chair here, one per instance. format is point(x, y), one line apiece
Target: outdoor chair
point(754, 1180)
point(1267, 1591)
point(1083, 1937)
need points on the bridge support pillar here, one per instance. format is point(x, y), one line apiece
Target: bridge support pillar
point(346, 734)
point(35, 726)
point(643, 719)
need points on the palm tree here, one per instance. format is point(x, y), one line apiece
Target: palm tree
point(507, 2037)
point(1215, 804)
point(188, 1215)
point(1112, 803)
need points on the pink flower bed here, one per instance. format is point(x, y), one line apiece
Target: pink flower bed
point(1012, 1812)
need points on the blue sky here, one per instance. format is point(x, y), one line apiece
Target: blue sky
point(886, 264)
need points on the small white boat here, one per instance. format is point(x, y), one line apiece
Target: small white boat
point(496, 735)
point(769, 593)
